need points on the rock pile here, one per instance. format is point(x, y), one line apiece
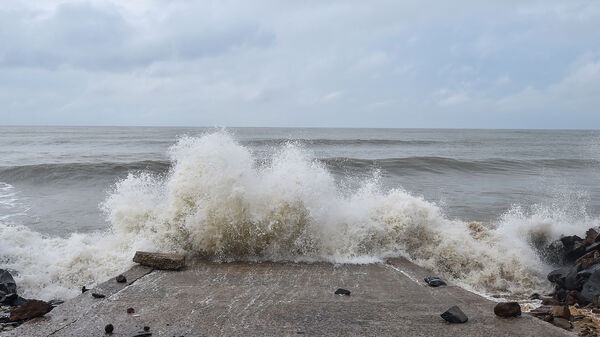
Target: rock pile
point(15, 309)
point(578, 280)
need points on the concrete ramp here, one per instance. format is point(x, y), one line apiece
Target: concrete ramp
point(279, 299)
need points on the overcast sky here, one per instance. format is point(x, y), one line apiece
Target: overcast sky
point(482, 64)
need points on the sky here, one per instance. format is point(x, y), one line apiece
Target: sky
point(305, 63)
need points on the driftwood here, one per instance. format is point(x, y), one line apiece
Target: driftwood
point(165, 261)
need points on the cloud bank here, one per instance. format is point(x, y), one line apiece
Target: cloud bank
point(514, 64)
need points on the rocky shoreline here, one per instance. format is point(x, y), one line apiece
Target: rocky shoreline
point(574, 303)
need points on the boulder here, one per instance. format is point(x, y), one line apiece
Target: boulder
point(591, 288)
point(31, 309)
point(454, 315)
point(165, 261)
point(507, 309)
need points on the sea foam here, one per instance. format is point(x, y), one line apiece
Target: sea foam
point(219, 201)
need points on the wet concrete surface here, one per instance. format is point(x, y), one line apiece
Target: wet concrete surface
point(279, 299)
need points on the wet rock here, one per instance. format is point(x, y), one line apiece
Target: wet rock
point(574, 247)
point(121, 279)
point(434, 281)
point(109, 328)
point(165, 261)
point(561, 311)
point(507, 309)
point(572, 297)
point(96, 295)
point(7, 282)
point(550, 301)
point(341, 291)
point(454, 315)
point(591, 288)
point(558, 276)
point(562, 323)
point(31, 309)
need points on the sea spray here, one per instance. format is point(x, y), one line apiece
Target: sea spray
point(220, 201)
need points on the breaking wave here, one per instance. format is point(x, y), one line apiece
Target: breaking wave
point(218, 201)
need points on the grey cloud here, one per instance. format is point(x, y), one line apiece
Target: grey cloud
point(95, 38)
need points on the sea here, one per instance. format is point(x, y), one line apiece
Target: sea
point(476, 207)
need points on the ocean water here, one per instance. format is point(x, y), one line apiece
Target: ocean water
point(471, 205)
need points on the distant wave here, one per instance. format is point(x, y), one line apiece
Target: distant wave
point(77, 171)
point(341, 165)
point(336, 142)
point(442, 165)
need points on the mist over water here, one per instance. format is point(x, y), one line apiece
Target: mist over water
point(232, 197)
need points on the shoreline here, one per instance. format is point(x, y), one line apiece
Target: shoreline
point(278, 299)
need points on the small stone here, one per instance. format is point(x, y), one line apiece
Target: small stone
point(84, 289)
point(96, 295)
point(454, 315)
point(109, 328)
point(130, 310)
point(341, 291)
point(121, 279)
point(434, 281)
point(507, 309)
point(146, 328)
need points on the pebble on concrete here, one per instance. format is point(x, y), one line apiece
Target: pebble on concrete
point(455, 315)
point(109, 328)
point(341, 291)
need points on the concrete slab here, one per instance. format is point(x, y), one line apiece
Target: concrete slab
point(280, 299)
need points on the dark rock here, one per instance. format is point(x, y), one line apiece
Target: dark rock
point(543, 313)
point(558, 276)
point(109, 328)
point(507, 309)
point(164, 261)
point(435, 281)
point(454, 315)
point(570, 241)
point(560, 294)
point(31, 309)
point(84, 289)
point(571, 282)
point(96, 295)
point(121, 279)
point(550, 301)
point(591, 288)
point(562, 323)
point(572, 297)
point(341, 291)
point(7, 283)
point(146, 328)
point(130, 310)
point(594, 246)
point(535, 296)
